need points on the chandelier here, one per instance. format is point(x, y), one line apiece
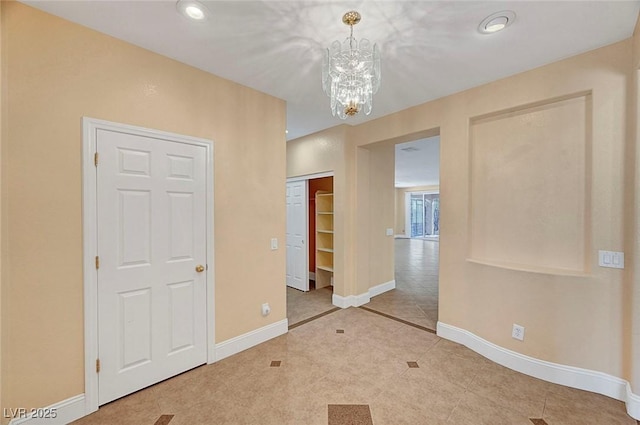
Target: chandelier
point(351, 73)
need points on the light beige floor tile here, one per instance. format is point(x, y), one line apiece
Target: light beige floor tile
point(415, 298)
point(416, 401)
point(575, 407)
point(476, 410)
point(448, 366)
point(511, 389)
point(139, 408)
point(303, 305)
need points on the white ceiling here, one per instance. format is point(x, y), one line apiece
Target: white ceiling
point(418, 163)
point(429, 48)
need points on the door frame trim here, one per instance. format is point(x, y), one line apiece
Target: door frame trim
point(310, 176)
point(306, 227)
point(90, 127)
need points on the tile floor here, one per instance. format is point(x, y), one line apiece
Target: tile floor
point(370, 363)
point(304, 305)
point(356, 367)
point(415, 298)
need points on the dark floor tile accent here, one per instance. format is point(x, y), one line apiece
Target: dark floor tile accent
point(413, 364)
point(538, 421)
point(310, 319)
point(276, 363)
point(349, 414)
point(164, 420)
point(388, 316)
point(339, 331)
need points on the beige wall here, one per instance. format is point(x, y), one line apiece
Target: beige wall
point(530, 181)
point(57, 72)
point(570, 318)
point(400, 220)
point(632, 243)
point(319, 153)
point(381, 213)
point(2, 206)
point(373, 189)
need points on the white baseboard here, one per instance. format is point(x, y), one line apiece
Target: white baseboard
point(575, 377)
point(250, 339)
point(66, 411)
point(382, 288)
point(343, 302)
point(350, 300)
point(362, 299)
point(632, 401)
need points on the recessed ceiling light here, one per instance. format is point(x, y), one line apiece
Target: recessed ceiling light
point(496, 22)
point(192, 9)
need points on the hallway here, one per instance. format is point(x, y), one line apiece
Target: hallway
point(415, 298)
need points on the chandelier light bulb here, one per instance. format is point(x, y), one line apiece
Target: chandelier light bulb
point(351, 73)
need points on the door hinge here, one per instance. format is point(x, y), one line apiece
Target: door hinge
point(97, 262)
point(97, 365)
point(95, 159)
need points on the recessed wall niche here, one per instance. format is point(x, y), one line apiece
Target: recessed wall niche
point(530, 185)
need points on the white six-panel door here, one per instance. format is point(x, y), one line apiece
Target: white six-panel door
point(297, 273)
point(151, 224)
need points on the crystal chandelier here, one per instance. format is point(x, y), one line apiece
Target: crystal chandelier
point(351, 73)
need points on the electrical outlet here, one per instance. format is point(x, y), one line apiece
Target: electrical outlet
point(266, 309)
point(518, 332)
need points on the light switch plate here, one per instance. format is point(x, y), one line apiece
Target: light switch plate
point(612, 259)
point(389, 232)
point(274, 244)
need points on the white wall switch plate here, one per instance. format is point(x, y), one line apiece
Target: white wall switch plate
point(612, 259)
point(389, 232)
point(274, 244)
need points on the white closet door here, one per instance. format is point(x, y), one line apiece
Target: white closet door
point(297, 268)
point(151, 241)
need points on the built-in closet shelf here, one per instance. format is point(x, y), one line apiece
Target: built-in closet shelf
point(325, 268)
point(324, 239)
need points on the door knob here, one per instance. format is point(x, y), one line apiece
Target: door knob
point(199, 268)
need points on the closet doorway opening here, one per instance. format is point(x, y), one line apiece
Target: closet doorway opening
point(314, 297)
